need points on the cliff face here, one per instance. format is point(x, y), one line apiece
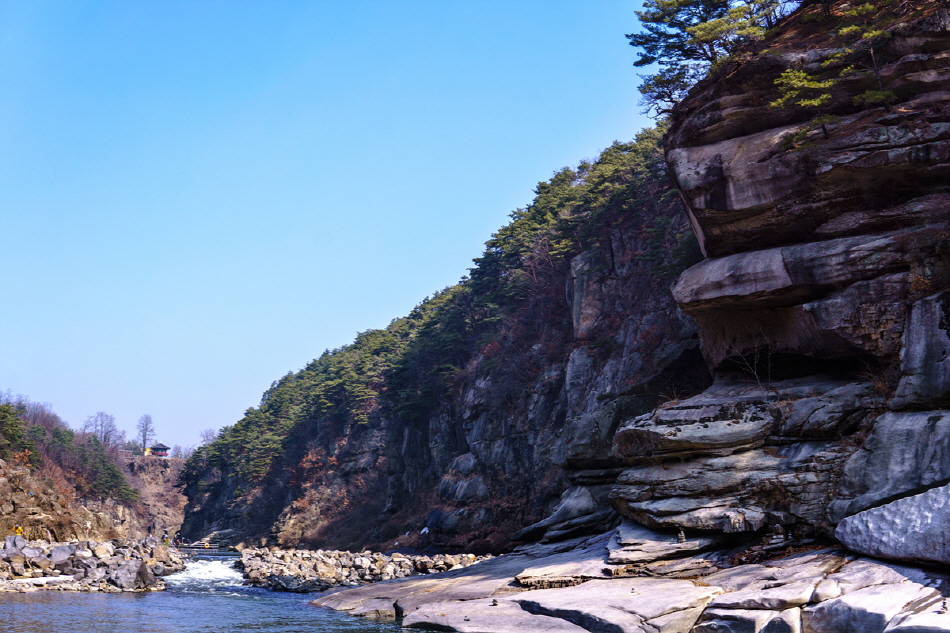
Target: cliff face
point(823, 306)
point(798, 375)
point(53, 513)
point(161, 505)
point(530, 415)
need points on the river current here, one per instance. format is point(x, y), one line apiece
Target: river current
point(205, 598)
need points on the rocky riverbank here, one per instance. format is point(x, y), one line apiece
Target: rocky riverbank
point(634, 580)
point(110, 566)
point(318, 570)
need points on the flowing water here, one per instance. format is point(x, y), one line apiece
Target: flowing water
point(205, 598)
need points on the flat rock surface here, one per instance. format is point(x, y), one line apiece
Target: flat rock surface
point(867, 610)
point(619, 605)
point(477, 581)
point(817, 591)
point(485, 616)
point(569, 568)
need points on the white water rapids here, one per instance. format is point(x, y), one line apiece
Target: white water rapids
point(206, 575)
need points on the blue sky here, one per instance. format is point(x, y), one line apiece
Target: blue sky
point(198, 197)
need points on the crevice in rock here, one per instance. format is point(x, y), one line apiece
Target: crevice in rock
point(585, 621)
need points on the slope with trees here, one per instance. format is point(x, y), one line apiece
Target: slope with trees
point(366, 434)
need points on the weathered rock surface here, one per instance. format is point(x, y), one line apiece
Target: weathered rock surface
point(913, 528)
point(635, 543)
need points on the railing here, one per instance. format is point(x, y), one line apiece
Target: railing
point(204, 549)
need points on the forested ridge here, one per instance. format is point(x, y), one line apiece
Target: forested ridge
point(509, 316)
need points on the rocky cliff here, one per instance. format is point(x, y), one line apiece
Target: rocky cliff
point(794, 379)
point(822, 307)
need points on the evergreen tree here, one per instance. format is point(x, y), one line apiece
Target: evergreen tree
point(862, 30)
point(688, 37)
point(14, 440)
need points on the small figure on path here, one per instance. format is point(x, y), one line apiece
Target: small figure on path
point(17, 530)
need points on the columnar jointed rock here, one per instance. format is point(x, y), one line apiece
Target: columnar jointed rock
point(117, 565)
point(316, 570)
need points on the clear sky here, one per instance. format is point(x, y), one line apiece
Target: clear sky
point(197, 197)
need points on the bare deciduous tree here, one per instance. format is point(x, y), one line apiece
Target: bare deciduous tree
point(145, 430)
point(207, 436)
point(102, 427)
point(182, 452)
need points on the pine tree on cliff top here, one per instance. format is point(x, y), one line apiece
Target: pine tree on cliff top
point(688, 37)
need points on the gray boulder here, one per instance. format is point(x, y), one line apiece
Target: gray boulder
point(60, 555)
point(14, 542)
point(915, 529)
point(127, 575)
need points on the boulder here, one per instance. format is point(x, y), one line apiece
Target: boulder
point(61, 554)
point(788, 621)
point(14, 542)
point(127, 575)
point(915, 529)
point(103, 550)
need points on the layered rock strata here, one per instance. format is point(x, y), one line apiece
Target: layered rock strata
point(304, 571)
point(109, 566)
point(822, 307)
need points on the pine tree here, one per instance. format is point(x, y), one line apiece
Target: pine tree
point(688, 37)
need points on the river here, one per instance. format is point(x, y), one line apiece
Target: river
point(207, 597)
